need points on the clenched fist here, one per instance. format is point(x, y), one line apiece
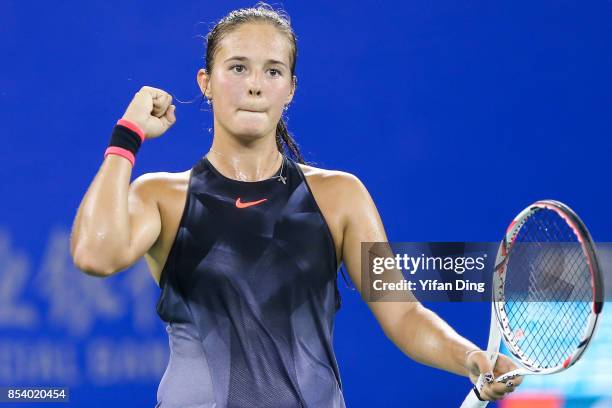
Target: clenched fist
point(152, 110)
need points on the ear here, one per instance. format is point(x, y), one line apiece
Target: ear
point(293, 89)
point(203, 79)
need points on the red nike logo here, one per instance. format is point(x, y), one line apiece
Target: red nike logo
point(240, 204)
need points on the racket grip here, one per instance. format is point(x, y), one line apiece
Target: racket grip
point(472, 401)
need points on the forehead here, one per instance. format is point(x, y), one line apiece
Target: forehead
point(255, 41)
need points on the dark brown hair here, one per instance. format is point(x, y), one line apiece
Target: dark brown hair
point(260, 13)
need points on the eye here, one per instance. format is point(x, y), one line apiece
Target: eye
point(238, 68)
point(275, 72)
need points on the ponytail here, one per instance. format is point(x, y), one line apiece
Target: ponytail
point(286, 143)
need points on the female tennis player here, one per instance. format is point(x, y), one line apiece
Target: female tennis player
point(246, 244)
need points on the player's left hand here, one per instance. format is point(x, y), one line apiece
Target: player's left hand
point(477, 363)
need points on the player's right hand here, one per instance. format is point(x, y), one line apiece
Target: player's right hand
point(152, 110)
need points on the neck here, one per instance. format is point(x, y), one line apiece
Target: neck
point(254, 161)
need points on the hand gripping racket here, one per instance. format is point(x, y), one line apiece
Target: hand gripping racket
point(547, 293)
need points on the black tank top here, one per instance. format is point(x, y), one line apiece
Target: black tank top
point(249, 294)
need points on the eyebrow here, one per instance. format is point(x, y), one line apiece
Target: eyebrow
point(240, 58)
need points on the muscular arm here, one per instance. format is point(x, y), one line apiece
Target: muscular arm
point(414, 329)
point(116, 223)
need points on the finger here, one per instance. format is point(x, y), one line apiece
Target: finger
point(169, 118)
point(166, 102)
point(154, 92)
point(484, 365)
point(517, 380)
point(510, 389)
point(511, 381)
point(162, 97)
point(511, 386)
point(484, 395)
point(161, 104)
point(500, 388)
point(144, 96)
point(487, 395)
point(493, 394)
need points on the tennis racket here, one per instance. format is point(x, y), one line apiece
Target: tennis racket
point(547, 293)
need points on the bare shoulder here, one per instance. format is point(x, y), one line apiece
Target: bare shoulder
point(162, 179)
point(168, 193)
point(340, 183)
point(337, 194)
point(158, 185)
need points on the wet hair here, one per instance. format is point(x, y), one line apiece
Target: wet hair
point(260, 13)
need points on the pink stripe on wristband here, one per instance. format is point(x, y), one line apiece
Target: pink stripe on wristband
point(133, 127)
point(120, 151)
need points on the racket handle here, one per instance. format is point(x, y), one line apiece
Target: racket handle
point(472, 400)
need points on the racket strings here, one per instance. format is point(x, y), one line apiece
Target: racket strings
point(547, 291)
point(548, 333)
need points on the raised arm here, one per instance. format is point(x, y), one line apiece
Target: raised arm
point(116, 222)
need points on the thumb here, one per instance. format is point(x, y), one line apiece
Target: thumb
point(169, 116)
point(479, 363)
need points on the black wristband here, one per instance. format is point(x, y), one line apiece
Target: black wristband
point(125, 138)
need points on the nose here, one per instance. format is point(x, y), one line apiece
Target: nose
point(255, 84)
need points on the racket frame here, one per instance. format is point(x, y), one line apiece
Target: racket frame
point(499, 329)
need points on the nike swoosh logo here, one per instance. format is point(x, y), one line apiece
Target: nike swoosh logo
point(246, 204)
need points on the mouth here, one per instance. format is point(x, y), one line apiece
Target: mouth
point(251, 110)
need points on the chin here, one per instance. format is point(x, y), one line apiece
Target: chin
point(250, 131)
point(251, 128)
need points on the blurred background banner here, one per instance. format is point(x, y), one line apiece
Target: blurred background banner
point(455, 115)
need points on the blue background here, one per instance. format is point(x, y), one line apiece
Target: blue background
point(455, 115)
